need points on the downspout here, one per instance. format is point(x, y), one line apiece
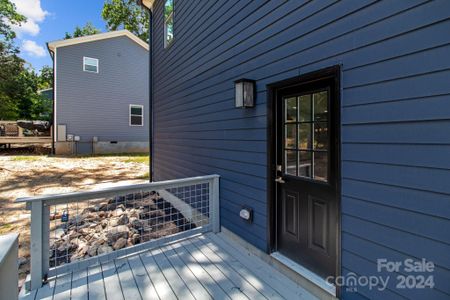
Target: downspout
point(147, 4)
point(150, 73)
point(52, 54)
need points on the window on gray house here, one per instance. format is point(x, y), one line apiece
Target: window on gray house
point(136, 115)
point(168, 23)
point(90, 64)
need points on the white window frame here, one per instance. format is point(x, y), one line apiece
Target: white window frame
point(142, 115)
point(170, 17)
point(96, 64)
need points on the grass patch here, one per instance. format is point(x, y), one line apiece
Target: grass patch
point(142, 158)
point(144, 176)
point(5, 228)
point(138, 159)
point(109, 155)
point(25, 158)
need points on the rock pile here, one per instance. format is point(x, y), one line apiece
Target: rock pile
point(114, 224)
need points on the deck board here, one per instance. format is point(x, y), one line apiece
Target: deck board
point(178, 285)
point(235, 275)
point(111, 281)
point(204, 266)
point(63, 286)
point(200, 273)
point(196, 288)
point(96, 289)
point(46, 292)
point(129, 287)
point(270, 276)
point(235, 264)
point(219, 275)
point(161, 285)
point(145, 285)
point(23, 295)
point(79, 289)
point(25, 140)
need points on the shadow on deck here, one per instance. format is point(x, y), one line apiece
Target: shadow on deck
point(203, 266)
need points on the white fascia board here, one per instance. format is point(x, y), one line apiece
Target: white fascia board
point(97, 37)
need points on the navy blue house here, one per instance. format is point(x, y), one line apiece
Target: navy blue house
point(342, 152)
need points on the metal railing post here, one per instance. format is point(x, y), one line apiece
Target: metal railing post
point(9, 275)
point(39, 243)
point(214, 204)
point(45, 239)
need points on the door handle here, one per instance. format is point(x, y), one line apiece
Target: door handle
point(279, 179)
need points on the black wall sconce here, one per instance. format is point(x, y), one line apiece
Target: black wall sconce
point(245, 93)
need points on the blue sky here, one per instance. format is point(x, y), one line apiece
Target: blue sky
point(49, 20)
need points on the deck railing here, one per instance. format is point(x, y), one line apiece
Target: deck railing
point(73, 230)
point(9, 276)
point(12, 133)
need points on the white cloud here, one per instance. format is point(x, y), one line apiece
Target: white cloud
point(34, 13)
point(33, 49)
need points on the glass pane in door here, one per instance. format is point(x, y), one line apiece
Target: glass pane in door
point(305, 108)
point(321, 136)
point(306, 135)
point(290, 162)
point(320, 106)
point(290, 114)
point(321, 166)
point(304, 163)
point(290, 135)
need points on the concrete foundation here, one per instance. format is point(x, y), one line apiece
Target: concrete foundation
point(64, 148)
point(120, 147)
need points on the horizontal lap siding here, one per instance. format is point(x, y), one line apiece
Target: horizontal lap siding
point(92, 104)
point(395, 115)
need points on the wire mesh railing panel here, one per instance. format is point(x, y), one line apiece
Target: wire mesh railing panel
point(84, 229)
point(197, 196)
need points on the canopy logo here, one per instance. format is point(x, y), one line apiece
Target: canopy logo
point(406, 274)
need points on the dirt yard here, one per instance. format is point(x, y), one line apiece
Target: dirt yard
point(30, 175)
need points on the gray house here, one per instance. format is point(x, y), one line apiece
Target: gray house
point(100, 94)
point(328, 122)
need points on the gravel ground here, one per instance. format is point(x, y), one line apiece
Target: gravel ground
point(29, 175)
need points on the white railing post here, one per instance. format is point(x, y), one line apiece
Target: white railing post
point(9, 271)
point(214, 204)
point(39, 243)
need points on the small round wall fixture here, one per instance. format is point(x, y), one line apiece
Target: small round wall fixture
point(245, 93)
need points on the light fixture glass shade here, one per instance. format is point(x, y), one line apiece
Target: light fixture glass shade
point(244, 93)
point(147, 3)
point(239, 97)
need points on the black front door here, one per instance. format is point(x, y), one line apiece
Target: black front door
point(307, 173)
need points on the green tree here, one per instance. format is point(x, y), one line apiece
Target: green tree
point(19, 84)
point(10, 68)
point(126, 14)
point(42, 108)
point(43, 105)
point(46, 78)
point(8, 17)
point(87, 29)
point(11, 65)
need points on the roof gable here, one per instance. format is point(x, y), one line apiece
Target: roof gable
point(97, 37)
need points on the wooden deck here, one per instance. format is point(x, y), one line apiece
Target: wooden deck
point(206, 266)
point(25, 140)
